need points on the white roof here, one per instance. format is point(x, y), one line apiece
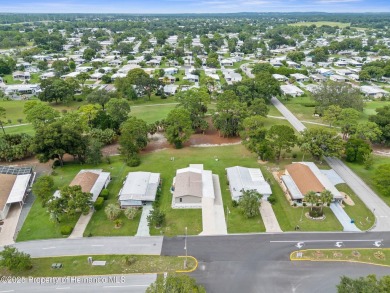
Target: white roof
point(140, 186)
point(99, 184)
point(241, 178)
point(367, 89)
point(323, 179)
point(19, 189)
point(290, 89)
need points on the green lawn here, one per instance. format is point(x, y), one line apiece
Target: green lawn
point(289, 217)
point(363, 255)
point(8, 79)
point(152, 113)
point(20, 129)
point(115, 264)
point(363, 216)
point(367, 175)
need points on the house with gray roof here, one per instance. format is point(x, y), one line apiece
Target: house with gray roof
point(139, 188)
point(244, 179)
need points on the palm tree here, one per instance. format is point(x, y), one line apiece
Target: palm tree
point(312, 198)
point(112, 211)
point(326, 198)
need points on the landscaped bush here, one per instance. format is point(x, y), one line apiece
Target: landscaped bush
point(15, 147)
point(66, 230)
point(272, 199)
point(98, 205)
point(105, 193)
point(234, 203)
point(316, 212)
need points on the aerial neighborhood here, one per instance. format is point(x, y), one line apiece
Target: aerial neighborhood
point(164, 126)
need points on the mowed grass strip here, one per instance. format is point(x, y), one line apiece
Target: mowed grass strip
point(363, 216)
point(369, 255)
point(115, 264)
point(368, 175)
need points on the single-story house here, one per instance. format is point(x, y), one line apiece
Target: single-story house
point(325, 72)
point(47, 75)
point(190, 185)
point(317, 77)
point(170, 89)
point(96, 76)
point(373, 92)
point(15, 184)
point(276, 63)
point(338, 78)
point(243, 179)
point(308, 64)
point(341, 63)
point(84, 68)
point(292, 90)
point(280, 77)
point(170, 71)
point(227, 62)
point(302, 177)
point(299, 77)
point(191, 77)
point(344, 72)
point(293, 64)
point(139, 188)
point(70, 75)
point(115, 62)
point(22, 89)
point(20, 75)
point(90, 180)
point(168, 78)
point(232, 77)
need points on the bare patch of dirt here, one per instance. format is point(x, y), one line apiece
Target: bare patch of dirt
point(381, 150)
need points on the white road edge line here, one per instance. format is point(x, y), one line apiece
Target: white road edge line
point(63, 288)
point(96, 245)
point(52, 247)
point(352, 240)
point(7, 291)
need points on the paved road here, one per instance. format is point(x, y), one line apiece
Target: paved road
point(92, 245)
point(119, 283)
point(367, 195)
point(289, 116)
point(260, 263)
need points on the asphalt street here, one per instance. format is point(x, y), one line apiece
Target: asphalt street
point(260, 263)
point(92, 245)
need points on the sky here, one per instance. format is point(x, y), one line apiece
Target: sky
point(192, 6)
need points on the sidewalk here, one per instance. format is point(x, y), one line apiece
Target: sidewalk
point(267, 214)
point(79, 228)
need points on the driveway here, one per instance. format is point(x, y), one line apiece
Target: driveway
point(213, 215)
point(82, 223)
point(9, 227)
point(343, 218)
point(143, 226)
point(267, 214)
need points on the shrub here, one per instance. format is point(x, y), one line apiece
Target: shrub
point(234, 203)
point(294, 155)
point(112, 211)
point(105, 193)
point(66, 230)
point(272, 199)
point(15, 260)
point(316, 212)
point(129, 259)
point(134, 161)
point(304, 204)
point(130, 213)
point(98, 205)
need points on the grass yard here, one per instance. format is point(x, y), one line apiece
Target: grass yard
point(38, 224)
point(321, 23)
point(302, 107)
point(289, 217)
point(364, 218)
point(152, 113)
point(362, 255)
point(115, 264)
point(367, 175)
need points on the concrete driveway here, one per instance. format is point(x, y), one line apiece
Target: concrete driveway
point(267, 214)
point(213, 216)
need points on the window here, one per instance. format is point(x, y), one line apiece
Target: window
point(181, 200)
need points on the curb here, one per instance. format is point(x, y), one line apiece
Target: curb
point(336, 260)
point(190, 270)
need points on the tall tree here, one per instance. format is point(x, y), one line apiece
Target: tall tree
point(347, 120)
point(382, 119)
point(71, 201)
point(134, 137)
point(326, 198)
point(195, 101)
point(15, 260)
point(56, 89)
point(322, 142)
point(119, 110)
point(100, 97)
point(281, 137)
point(356, 150)
point(338, 93)
point(249, 203)
point(369, 284)
point(179, 127)
point(312, 198)
point(43, 188)
point(332, 114)
point(39, 113)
